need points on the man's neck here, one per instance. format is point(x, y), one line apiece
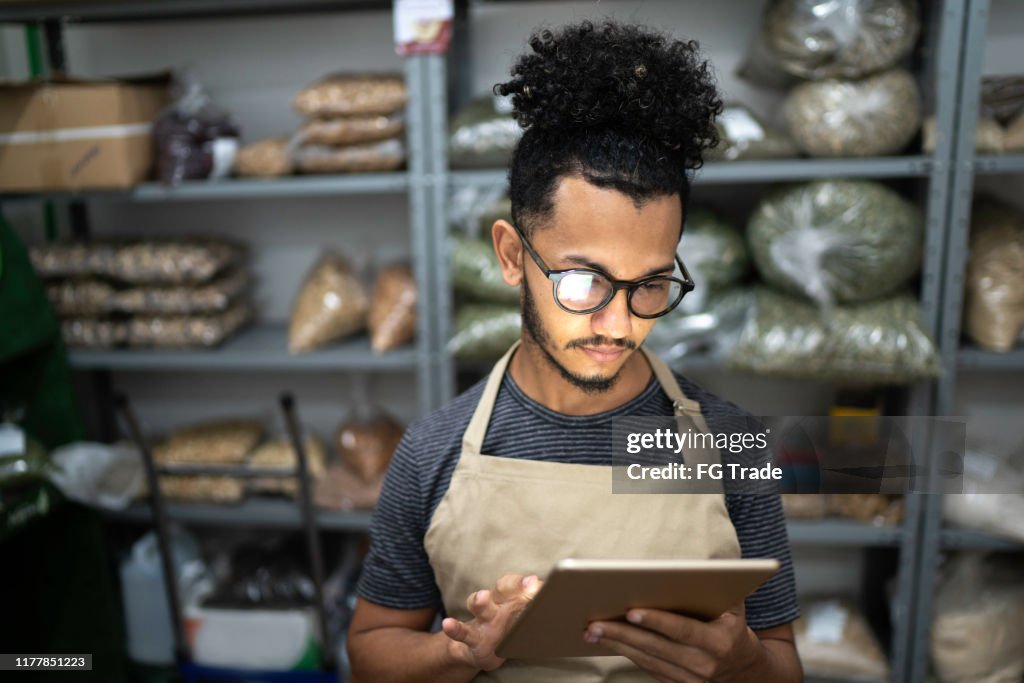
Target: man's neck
point(533, 373)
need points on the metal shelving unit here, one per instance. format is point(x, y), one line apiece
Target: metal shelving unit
point(935, 537)
point(264, 347)
point(257, 348)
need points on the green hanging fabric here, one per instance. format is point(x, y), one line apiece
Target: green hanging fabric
point(57, 588)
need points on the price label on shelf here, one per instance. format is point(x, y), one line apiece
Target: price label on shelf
point(423, 27)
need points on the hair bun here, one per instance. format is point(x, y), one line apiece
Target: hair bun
point(630, 79)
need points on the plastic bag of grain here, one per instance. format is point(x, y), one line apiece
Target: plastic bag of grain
point(989, 136)
point(386, 155)
point(834, 640)
point(483, 134)
point(96, 297)
point(852, 38)
point(344, 94)
point(331, 304)
point(476, 273)
point(268, 158)
point(392, 317)
point(171, 262)
point(985, 503)
point(186, 331)
point(350, 130)
point(840, 241)
point(881, 342)
point(366, 443)
point(978, 624)
point(217, 442)
point(994, 301)
point(743, 135)
point(713, 250)
point(484, 331)
point(876, 116)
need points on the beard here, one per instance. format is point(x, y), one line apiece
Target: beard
point(534, 327)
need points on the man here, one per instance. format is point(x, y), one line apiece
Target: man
point(488, 493)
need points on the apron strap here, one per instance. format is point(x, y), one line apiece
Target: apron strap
point(473, 438)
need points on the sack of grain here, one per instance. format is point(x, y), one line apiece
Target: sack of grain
point(834, 640)
point(218, 442)
point(994, 287)
point(387, 155)
point(269, 158)
point(831, 241)
point(876, 116)
point(392, 317)
point(342, 94)
point(350, 130)
point(331, 304)
point(818, 39)
point(484, 331)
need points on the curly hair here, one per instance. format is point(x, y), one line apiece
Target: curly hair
point(622, 106)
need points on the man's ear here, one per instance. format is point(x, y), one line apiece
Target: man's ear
point(509, 249)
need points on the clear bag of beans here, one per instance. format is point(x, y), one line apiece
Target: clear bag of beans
point(392, 316)
point(331, 305)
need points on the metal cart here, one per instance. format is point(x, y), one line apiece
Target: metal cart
point(191, 671)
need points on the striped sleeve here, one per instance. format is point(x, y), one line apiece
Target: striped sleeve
point(397, 572)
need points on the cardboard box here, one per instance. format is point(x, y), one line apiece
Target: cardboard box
point(77, 134)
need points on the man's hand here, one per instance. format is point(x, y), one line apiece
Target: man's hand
point(473, 642)
point(677, 649)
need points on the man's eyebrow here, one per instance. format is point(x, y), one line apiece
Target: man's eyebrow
point(594, 265)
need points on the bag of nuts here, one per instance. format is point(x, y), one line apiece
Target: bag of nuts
point(392, 319)
point(268, 158)
point(331, 304)
point(366, 444)
point(387, 155)
point(350, 130)
point(342, 94)
point(217, 442)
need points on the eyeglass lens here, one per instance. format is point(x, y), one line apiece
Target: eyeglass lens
point(585, 291)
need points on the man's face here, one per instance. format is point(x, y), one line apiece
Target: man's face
point(597, 228)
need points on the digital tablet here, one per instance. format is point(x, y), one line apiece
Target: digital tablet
point(578, 592)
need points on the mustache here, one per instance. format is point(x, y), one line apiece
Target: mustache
point(627, 344)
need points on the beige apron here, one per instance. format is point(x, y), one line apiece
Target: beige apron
point(514, 516)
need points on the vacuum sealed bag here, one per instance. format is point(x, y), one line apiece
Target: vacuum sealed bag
point(476, 273)
point(186, 331)
point(817, 39)
point(350, 130)
point(882, 342)
point(352, 95)
point(994, 288)
point(392, 317)
point(387, 155)
point(96, 297)
point(270, 158)
point(840, 241)
point(484, 331)
point(331, 304)
point(279, 454)
point(170, 262)
point(876, 116)
point(834, 640)
point(978, 623)
point(743, 135)
point(483, 134)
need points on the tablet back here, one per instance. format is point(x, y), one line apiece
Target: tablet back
point(578, 592)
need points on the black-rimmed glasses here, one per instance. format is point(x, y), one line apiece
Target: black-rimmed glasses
point(585, 290)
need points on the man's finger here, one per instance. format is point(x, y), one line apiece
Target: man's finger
point(675, 627)
point(508, 586)
point(482, 606)
point(456, 630)
point(684, 656)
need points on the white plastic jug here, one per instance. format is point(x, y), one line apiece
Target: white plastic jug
point(150, 639)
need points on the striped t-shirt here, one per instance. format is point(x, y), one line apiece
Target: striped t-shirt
point(397, 572)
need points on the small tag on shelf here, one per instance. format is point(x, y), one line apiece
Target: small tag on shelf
point(423, 27)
